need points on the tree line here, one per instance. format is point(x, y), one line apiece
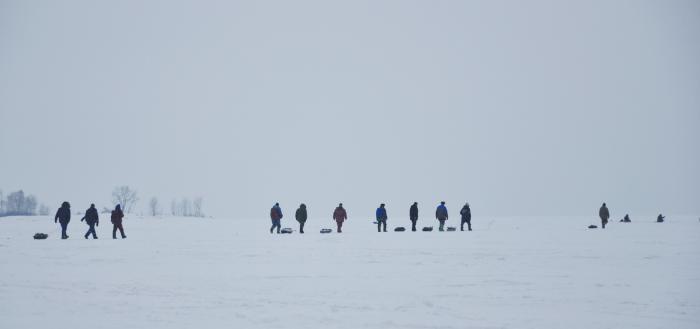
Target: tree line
point(19, 204)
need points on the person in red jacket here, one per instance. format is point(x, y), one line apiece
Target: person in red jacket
point(276, 217)
point(340, 215)
point(117, 216)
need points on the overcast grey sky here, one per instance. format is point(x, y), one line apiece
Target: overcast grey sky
point(519, 107)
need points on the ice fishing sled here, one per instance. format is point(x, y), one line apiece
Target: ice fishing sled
point(286, 230)
point(40, 236)
point(326, 230)
point(428, 229)
point(399, 229)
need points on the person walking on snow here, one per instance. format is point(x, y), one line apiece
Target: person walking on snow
point(466, 213)
point(381, 218)
point(300, 216)
point(413, 215)
point(340, 215)
point(276, 216)
point(604, 214)
point(63, 217)
point(92, 219)
point(117, 217)
point(441, 215)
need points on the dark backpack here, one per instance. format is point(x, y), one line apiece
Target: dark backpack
point(399, 229)
point(428, 229)
point(40, 236)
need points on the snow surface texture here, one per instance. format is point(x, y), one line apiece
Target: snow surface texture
point(215, 273)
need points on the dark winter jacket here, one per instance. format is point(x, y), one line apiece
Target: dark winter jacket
point(301, 215)
point(413, 213)
point(276, 213)
point(604, 213)
point(381, 214)
point(340, 214)
point(466, 213)
point(441, 212)
point(91, 216)
point(63, 214)
point(117, 215)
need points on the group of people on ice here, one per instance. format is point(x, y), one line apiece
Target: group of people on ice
point(604, 215)
point(91, 218)
point(381, 216)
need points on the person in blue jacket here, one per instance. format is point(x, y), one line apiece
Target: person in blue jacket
point(441, 215)
point(381, 218)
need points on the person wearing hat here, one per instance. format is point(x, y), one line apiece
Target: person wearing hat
point(340, 216)
point(276, 216)
point(381, 218)
point(117, 218)
point(300, 216)
point(63, 217)
point(441, 215)
point(92, 219)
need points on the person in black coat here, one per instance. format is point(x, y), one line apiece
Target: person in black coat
point(63, 217)
point(660, 219)
point(301, 216)
point(604, 214)
point(92, 219)
point(413, 215)
point(117, 219)
point(466, 213)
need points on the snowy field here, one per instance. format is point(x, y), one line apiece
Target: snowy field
point(218, 273)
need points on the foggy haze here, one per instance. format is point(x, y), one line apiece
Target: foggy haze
point(519, 108)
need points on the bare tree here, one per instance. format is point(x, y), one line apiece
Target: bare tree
point(43, 210)
point(124, 196)
point(29, 206)
point(19, 204)
point(197, 207)
point(174, 208)
point(186, 207)
point(154, 207)
point(15, 203)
